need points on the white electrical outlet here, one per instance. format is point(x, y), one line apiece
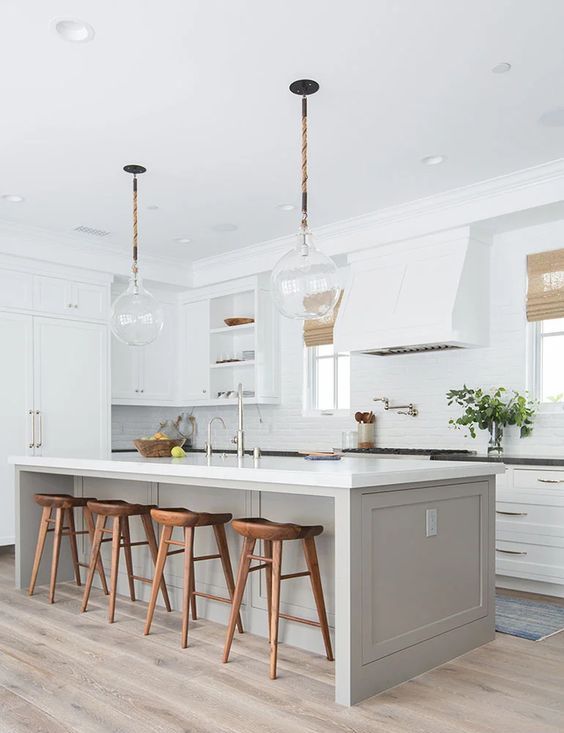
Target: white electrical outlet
point(431, 529)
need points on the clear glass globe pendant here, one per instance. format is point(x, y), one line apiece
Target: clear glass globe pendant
point(305, 282)
point(137, 317)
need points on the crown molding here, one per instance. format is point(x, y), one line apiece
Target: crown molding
point(39, 244)
point(517, 191)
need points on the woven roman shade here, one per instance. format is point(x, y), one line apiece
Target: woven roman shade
point(319, 332)
point(545, 290)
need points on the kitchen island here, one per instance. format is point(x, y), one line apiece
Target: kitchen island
point(407, 556)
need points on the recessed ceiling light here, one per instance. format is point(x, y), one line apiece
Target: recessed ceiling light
point(13, 198)
point(286, 207)
point(73, 30)
point(152, 207)
point(225, 227)
point(552, 117)
point(501, 68)
point(182, 240)
point(433, 159)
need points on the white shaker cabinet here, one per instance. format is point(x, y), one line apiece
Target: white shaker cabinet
point(195, 371)
point(70, 298)
point(54, 395)
point(146, 375)
point(16, 401)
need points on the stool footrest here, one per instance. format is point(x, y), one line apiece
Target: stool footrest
point(259, 567)
point(260, 558)
point(300, 620)
point(207, 557)
point(303, 574)
point(211, 597)
point(141, 579)
point(133, 544)
point(174, 552)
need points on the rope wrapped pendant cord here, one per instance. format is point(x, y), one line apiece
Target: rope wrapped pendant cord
point(135, 170)
point(304, 162)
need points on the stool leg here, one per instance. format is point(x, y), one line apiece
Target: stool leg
point(275, 605)
point(73, 547)
point(166, 534)
point(188, 581)
point(114, 569)
point(223, 549)
point(57, 536)
point(41, 537)
point(268, 573)
point(310, 553)
point(151, 539)
point(94, 557)
point(99, 566)
point(193, 606)
point(125, 533)
point(242, 575)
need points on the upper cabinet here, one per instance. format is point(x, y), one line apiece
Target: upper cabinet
point(147, 375)
point(216, 355)
point(86, 301)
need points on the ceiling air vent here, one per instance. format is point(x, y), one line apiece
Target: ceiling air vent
point(422, 349)
point(91, 231)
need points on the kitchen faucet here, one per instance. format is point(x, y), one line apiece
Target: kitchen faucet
point(209, 449)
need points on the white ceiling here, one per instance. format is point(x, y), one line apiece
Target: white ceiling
point(198, 92)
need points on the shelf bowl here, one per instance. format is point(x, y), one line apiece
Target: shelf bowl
point(238, 321)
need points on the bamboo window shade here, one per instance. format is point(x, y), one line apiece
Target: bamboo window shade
point(319, 332)
point(545, 290)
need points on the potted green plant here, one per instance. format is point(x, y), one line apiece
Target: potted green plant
point(492, 410)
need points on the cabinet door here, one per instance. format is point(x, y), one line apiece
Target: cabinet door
point(15, 289)
point(159, 361)
point(16, 402)
point(126, 379)
point(195, 361)
point(53, 295)
point(71, 388)
point(90, 301)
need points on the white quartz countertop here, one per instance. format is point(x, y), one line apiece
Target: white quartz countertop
point(348, 473)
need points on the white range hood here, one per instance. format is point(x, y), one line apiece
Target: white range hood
point(429, 294)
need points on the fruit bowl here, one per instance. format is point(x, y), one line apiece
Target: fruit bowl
point(157, 448)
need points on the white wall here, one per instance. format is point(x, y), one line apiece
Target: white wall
point(421, 378)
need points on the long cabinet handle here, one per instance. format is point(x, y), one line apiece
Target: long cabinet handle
point(511, 552)
point(32, 444)
point(512, 514)
point(40, 436)
point(551, 480)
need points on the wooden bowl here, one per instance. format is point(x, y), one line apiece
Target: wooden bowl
point(238, 321)
point(157, 448)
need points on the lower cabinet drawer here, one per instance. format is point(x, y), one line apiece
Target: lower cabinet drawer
point(542, 478)
point(538, 519)
point(530, 559)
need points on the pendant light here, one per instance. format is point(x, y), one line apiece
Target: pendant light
point(137, 318)
point(305, 282)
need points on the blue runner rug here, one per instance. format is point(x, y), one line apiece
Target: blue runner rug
point(534, 620)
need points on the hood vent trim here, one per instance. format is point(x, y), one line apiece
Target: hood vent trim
point(421, 349)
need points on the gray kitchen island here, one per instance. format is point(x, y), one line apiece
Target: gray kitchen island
point(407, 556)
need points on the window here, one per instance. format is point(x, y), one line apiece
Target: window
point(328, 379)
point(548, 360)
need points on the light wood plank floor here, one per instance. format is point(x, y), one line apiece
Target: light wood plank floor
point(61, 671)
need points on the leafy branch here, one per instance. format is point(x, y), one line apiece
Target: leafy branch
point(483, 409)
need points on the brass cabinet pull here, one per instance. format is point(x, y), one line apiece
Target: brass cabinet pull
point(551, 480)
point(40, 436)
point(512, 514)
point(32, 444)
point(511, 552)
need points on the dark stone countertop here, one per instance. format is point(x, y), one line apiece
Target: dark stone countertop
point(508, 460)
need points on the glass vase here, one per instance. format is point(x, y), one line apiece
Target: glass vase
point(495, 446)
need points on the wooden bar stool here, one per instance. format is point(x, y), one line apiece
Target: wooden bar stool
point(120, 512)
point(188, 520)
point(55, 508)
point(273, 534)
